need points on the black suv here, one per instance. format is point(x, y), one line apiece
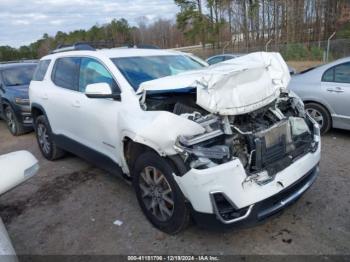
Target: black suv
point(14, 100)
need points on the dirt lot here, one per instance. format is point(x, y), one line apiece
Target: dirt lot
point(69, 208)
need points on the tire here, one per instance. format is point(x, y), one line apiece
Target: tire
point(159, 169)
point(45, 140)
point(321, 115)
point(13, 125)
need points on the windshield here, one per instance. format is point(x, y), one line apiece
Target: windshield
point(145, 68)
point(19, 75)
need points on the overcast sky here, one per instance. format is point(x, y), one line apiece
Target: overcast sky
point(25, 21)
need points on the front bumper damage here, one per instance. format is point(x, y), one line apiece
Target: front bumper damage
point(250, 201)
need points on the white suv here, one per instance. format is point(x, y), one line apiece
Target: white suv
point(225, 145)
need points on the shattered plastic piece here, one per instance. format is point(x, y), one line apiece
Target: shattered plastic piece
point(118, 222)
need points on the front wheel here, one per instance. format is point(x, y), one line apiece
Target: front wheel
point(13, 125)
point(45, 140)
point(158, 194)
point(320, 115)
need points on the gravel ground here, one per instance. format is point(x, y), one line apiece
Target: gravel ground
point(69, 208)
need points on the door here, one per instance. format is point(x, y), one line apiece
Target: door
point(95, 119)
point(336, 89)
point(62, 97)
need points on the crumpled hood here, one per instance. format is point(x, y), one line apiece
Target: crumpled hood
point(232, 87)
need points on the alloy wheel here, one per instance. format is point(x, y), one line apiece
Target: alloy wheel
point(316, 115)
point(43, 138)
point(11, 122)
point(156, 193)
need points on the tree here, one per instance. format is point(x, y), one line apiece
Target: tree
point(191, 20)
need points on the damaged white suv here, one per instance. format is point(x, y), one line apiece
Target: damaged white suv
point(225, 145)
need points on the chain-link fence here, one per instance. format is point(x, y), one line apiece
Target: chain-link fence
point(314, 51)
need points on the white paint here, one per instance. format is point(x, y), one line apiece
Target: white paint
point(13, 166)
point(228, 178)
point(16, 167)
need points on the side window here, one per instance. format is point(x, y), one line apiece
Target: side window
point(228, 57)
point(66, 72)
point(339, 74)
point(215, 60)
point(342, 73)
point(40, 70)
point(328, 76)
point(92, 72)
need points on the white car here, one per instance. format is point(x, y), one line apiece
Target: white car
point(225, 144)
point(16, 167)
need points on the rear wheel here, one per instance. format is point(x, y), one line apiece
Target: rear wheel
point(45, 140)
point(13, 125)
point(320, 115)
point(158, 194)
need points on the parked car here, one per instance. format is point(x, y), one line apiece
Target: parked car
point(224, 145)
point(220, 58)
point(325, 91)
point(16, 167)
point(14, 100)
point(224, 57)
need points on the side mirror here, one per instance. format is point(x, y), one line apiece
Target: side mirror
point(16, 167)
point(100, 90)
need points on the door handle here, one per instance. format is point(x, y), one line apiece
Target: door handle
point(336, 90)
point(45, 97)
point(76, 104)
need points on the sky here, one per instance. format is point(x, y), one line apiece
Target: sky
point(25, 21)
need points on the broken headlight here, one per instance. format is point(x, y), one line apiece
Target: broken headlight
point(200, 156)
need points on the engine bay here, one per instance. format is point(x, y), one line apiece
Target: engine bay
point(268, 139)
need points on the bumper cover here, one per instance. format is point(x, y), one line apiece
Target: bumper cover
point(258, 212)
point(231, 180)
point(24, 115)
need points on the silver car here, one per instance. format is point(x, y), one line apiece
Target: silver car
point(325, 91)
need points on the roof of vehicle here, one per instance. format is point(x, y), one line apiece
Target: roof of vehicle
point(116, 52)
point(15, 64)
point(322, 67)
point(232, 55)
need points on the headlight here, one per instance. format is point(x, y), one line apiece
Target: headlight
point(22, 101)
point(214, 152)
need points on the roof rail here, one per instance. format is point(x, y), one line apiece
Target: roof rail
point(74, 47)
point(91, 46)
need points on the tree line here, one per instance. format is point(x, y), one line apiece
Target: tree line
point(257, 21)
point(244, 23)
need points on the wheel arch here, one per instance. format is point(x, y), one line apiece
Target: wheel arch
point(5, 103)
point(37, 110)
point(133, 149)
point(308, 101)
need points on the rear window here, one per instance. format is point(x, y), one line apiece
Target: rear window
point(19, 75)
point(215, 60)
point(338, 74)
point(41, 70)
point(66, 72)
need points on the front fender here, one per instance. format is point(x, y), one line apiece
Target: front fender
point(159, 130)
